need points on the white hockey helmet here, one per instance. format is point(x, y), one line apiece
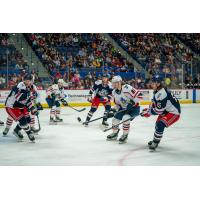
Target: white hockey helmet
point(116, 79)
point(61, 81)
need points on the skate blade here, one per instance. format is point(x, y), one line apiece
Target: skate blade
point(111, 139)
point(52, 123)
point(124, 142)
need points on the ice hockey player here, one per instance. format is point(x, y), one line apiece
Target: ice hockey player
point(101, 92)
point(35, 98)
point(1, 123)
point(17, 104)
point(55, 95)
point(127, 100)
point(166, 106)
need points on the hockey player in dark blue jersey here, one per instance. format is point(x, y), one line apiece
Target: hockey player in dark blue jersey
point(101, 92)
point(166, 106)
point(18, 104)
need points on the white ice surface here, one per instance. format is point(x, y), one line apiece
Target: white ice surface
point(72, 144)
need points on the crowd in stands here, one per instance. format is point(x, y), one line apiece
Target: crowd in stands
point(75, 56)
point(81, 59)
point(192, 40)
point(13, 59)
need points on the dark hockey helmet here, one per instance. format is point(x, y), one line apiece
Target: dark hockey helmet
point(28, 77)
point(105, 76)
point(157, 79)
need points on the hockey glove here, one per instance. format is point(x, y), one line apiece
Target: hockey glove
point(39, 106)
point(104, 99)
point(89, 99)
point(64, 102)
point(34, 111)
point(145, 112)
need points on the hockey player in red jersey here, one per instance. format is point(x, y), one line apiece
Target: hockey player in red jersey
point(166, 106)
point(17, 104)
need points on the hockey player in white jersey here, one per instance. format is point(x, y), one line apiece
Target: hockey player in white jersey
point(127, 100)
point(166, 106)
point(55, 95)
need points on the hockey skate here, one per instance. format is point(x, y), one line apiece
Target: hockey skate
point(52, 121)
point(113, 136)
point(85, 123)
point(5, 132)
point(123, 139)
point(105, 123)
point(152, 145)
point(58, 119)
point(31, 136)
point(1, 123)
point(18, 134)
point(34, 130)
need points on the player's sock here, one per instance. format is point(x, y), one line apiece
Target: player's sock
point(32, 123)
point(159, 129)
point(105, 118)
point(89, 116)
point(58, 115)
point(158, 134)
point(124, 137)
point(9, 123)
point(52, 113)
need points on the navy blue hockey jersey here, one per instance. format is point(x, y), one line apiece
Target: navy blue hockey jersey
point(19, 97)
point(101, 90)
point(164, 102)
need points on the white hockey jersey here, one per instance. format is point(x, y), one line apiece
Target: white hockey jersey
point(125, 96)
point(58, 92)
point(35, 94)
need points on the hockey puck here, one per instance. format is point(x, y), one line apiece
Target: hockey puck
point(79, 119)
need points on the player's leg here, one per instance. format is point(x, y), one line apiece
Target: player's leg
point(52, 107)
point(1, 123)
point(116, 119)
point(126, 125)
point(57, 112)
point(9, 123)
point(95, 104)
point(105, 115)
point(162, 123)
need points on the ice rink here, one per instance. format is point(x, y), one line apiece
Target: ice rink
point(70, 143)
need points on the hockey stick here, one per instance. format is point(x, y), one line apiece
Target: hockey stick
point(38, 123)
point(78, 110)
point(116, 125)
point(79, 119)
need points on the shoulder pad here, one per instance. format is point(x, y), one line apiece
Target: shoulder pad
point(161, 94)
point(21, 86)
point(126, 87)
point(55, 87)
point(98, 82)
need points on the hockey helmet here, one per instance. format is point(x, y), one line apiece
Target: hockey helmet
point(116, 79)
